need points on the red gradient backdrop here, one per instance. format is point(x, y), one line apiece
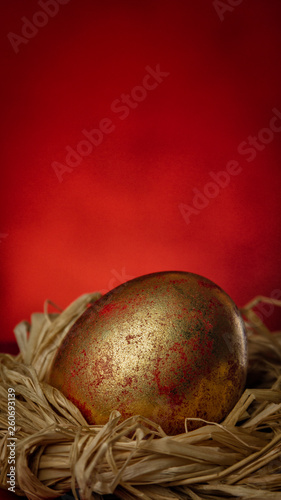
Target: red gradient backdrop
point(117, 214)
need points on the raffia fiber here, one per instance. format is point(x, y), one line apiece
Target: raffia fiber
point(57, 451)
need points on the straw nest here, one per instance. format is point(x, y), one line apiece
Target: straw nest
point(57, 451)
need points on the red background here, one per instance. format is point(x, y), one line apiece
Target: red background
point(116, 215)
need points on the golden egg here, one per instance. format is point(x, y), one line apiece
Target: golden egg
point(167, 346)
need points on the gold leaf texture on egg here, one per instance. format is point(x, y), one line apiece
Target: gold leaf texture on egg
point(165, 346)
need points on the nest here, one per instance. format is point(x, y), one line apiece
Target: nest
point(57, 451)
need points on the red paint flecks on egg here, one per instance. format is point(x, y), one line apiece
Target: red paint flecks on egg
point(155, 346)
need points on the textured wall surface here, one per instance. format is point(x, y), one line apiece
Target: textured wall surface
point(138, 137)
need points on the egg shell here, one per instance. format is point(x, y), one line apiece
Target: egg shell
point(166, 346)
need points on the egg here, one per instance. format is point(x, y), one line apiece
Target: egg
point(167, 346)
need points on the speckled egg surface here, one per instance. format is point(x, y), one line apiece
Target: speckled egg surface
point(166, 346)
